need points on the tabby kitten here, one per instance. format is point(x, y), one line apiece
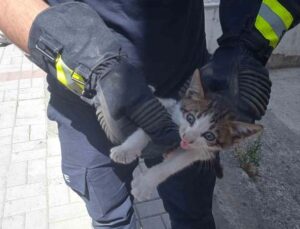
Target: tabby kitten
point(206, 126)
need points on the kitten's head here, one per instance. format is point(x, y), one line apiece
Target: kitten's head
point(207, 122)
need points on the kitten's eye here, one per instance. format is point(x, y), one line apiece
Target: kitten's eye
point(209, 136)
point(190, 118)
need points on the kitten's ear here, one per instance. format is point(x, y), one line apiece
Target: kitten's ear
point(195, 87)
point(242, 130)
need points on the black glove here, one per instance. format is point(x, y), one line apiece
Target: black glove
point(72, 43)
point(235, 71)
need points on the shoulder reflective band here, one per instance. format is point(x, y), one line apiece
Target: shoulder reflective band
point(273, 20)
point(68, 77)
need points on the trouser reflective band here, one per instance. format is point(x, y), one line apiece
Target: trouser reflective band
point(273, 20)
point(68, 77)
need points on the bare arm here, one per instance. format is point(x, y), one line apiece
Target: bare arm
point(16, 18)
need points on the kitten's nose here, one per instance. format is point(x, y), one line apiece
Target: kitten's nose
point(185, 144)
point(186, 140)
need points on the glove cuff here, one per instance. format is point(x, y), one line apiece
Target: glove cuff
point(257, 45)
point(252, 41)
point(153, 118)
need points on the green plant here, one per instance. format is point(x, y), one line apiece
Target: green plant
point(248, 156)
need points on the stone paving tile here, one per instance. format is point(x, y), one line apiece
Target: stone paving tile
point(36, 220)
point(7, 117)
point(10, 95)
point(3, 167)
point(25, 191)
point(36, 171)
point(21, 134)
point(53, 146)
point(31, 112)
point(38, 82)
point(15, 207)
point(58, 194)
point(153, 222)
point(28, 155)
point(24, 83)
point(2, 191)
point(66, 212)
point(13, 222)
point(40, 119)
point(150, 208)
point(31, 93)
point(38, 132)
point(75, 223)
point(54, 161)
point(6, 132)
point(5, 152)
point(5, 140)
point(25, 74)
point(166, 220)
point(10, 69)
point(74, 198)
point(5, 136)
point(9, 85)
point(17, 174)
point(32, 107)
point(54, 175)
point(16, 60)
point(1, 96)
point(29, 145)
point(52, 131)
point(138, 225)
point(8, 77)
point(27, 67)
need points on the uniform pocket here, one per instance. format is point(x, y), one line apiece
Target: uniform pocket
point(100, 188)
point(106, 191)
point(75, 178)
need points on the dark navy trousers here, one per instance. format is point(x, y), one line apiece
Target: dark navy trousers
point(105, 185)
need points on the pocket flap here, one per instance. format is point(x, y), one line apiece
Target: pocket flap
point(75, 177)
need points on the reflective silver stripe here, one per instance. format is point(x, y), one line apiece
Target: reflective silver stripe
point(273, 19)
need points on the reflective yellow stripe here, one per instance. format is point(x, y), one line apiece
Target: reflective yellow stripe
point(273, 20)
point(266, 30)
point(60, 72)
point(68, 77)
point(281, 11)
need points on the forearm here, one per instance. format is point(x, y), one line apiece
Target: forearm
point(268, 18)
point(16, 18)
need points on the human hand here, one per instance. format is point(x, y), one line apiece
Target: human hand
point(83, 55)
point(234, 71)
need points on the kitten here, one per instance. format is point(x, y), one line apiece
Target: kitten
point(206, 126)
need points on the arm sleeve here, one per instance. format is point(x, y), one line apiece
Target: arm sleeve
point(267, 20)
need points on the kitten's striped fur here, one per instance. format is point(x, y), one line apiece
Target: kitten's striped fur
point(206, 125)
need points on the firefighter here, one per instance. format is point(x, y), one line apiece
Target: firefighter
point(114, 49)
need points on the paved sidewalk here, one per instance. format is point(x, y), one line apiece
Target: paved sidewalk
point(33, 194)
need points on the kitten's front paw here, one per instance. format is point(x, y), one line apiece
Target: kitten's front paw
point(142, 187)
point(123, 156)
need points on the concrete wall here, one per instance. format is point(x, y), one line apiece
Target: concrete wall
point(287, 54)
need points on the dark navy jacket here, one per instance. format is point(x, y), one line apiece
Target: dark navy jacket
point(166, 38)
